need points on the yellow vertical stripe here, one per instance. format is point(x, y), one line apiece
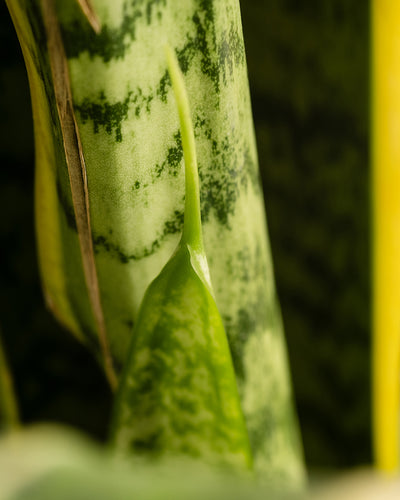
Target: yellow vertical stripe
point(386, 230)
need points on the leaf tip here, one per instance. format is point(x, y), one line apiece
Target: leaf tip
point(90, 14)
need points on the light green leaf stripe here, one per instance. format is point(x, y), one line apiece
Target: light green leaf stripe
point(178, 394)
point(130, 138)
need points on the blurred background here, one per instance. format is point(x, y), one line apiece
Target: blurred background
point(308, 67)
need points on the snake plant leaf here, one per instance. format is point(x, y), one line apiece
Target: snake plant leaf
point(129, 131)
point(179, 394)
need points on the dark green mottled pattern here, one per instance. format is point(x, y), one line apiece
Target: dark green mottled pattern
point(104, 114)
point(112, 42)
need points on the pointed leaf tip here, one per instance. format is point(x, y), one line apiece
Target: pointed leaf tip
point(90, 14)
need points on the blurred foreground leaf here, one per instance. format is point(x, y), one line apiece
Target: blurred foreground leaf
point(43, 463)
point(47, 463)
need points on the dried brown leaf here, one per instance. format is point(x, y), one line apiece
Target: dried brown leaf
point(90, 14)
point(77, 173)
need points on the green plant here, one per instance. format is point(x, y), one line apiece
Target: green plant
point(109, 193)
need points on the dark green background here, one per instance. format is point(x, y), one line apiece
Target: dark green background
point(309, 69)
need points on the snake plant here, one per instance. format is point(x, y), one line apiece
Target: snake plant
point(110, 189)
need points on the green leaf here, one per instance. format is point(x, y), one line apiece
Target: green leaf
point(178, 394)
